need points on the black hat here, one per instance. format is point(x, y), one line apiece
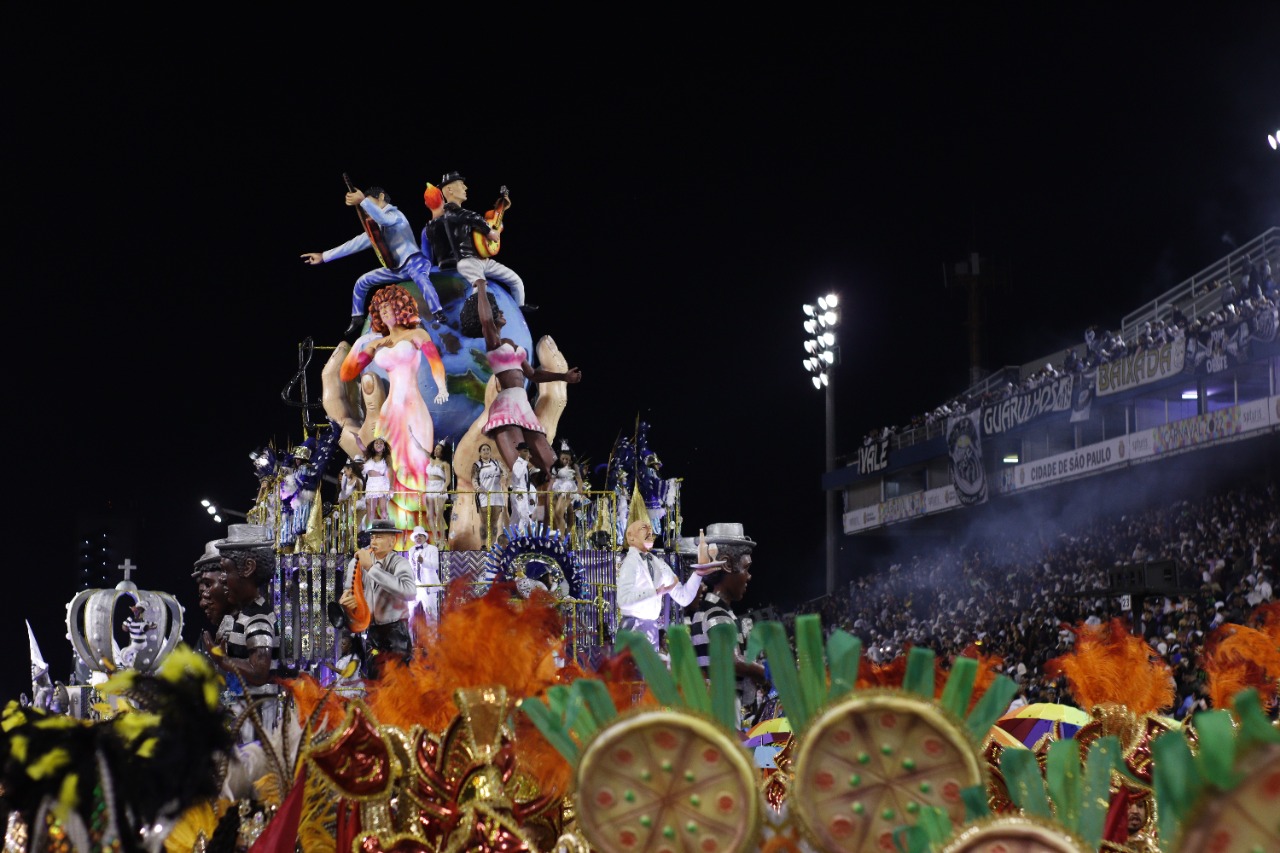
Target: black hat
point(450, 177)
point(384, 525)
point(524, 445)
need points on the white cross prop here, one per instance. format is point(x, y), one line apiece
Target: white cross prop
point(127, 566)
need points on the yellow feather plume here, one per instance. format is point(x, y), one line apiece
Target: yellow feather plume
point(67, 797)
point(49, 763)
point(202, 818)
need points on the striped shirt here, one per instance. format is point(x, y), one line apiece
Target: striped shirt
point(712, 610)
point(254, 627)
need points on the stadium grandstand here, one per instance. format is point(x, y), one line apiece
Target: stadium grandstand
point(1192, 369)
point(1134, 476)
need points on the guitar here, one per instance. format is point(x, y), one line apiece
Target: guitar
point(373, 229)
point(485, 247)
point(360, 616)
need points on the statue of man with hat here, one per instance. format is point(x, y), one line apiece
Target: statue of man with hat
point(644, 581)
point(407, 262)
point(213, 601)
point(247, 645)
point(449, 236)
point(389, 590)
point(726, 586)
point(424, 557)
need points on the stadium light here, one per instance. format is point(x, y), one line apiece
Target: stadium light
point(214, 510)
point(820, 324)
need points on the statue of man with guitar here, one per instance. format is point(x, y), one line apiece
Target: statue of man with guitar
point(463, 239)
point(388, 233)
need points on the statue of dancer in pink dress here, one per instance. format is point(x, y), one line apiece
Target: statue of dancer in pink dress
point(511, 418)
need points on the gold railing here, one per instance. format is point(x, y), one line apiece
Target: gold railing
point(594, 535)
point(593, 522)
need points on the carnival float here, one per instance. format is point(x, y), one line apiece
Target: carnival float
point(523, 717)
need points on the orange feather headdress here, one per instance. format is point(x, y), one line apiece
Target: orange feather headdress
point(1237, 657)
point(1111, 666)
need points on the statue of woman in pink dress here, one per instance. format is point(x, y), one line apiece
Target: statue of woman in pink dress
point(399, 345)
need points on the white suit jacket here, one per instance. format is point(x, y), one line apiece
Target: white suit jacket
point(637, 592)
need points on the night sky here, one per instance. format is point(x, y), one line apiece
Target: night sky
point(673, 207)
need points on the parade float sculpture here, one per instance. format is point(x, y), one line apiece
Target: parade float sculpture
point(154, 626)
point(358, 402)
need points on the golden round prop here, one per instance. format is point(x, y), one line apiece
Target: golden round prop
point(868, 764)
point(1014, 834)
point(1245, 818)
point(660, 781)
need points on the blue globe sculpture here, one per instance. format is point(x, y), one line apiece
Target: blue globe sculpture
point(465, 365)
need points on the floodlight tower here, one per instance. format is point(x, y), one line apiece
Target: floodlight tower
point(217, 511)
point(822, 356)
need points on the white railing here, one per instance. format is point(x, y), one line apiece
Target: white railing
point(1201, 293)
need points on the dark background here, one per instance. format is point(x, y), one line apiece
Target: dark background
point(674, 204)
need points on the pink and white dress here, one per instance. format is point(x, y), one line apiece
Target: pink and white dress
point(404, 420)
point(511, 406)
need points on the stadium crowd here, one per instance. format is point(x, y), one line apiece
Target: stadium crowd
point(1017, 597)
point(1244, 296)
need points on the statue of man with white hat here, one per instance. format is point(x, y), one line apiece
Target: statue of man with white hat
point(424, 558)
point(725, 587)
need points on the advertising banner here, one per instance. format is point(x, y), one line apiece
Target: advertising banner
point(1201, 429)
point(936, 500)
point(1142, 444)
point(1094, 457)
point(901, 508)
point(1255, 414)
point(862, 519)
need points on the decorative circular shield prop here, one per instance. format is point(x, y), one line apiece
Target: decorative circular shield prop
point(660, 780)
point(1244, 818)
point(1014, 834)
point(535, 555)
point(868, 764)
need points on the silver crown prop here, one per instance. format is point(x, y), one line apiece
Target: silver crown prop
point(154, 626)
